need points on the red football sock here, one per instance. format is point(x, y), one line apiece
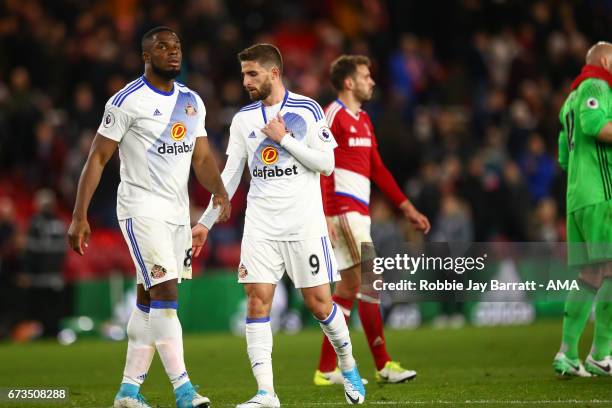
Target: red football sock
point(328, 359)
point(372, 323)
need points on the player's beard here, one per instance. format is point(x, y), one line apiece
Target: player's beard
point(166, 74)
point(363, 95)
point(263, 92)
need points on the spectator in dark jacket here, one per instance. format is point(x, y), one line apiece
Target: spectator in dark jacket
point(45, 254)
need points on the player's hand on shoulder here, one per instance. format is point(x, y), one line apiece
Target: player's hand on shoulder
point(419, 221)
point(275, 129)
point(199, 233)
point(78, 235)
point(225, 205)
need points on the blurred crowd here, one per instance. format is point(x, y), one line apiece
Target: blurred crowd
point(465, 109)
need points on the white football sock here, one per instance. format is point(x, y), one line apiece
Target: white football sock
point(168, 337)
point(259, 348)
point(141, 348)
point(336, 330)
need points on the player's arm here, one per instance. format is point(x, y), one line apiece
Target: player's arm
point(593, 111)
point(230, 177)
point(605, 134)
point(328, 185)
point(207, 173)
point(205, 167)
point(327, 191)
point(563, 150)
point(101, 151)
point(319, 160)
point(385, 181)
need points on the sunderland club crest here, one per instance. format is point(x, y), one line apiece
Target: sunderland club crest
point(158, 272)
point(190, 110)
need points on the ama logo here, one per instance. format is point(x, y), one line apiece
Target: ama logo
point(178, 131)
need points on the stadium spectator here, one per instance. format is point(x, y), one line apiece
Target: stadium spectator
point(84, 112)
point(408, 73)
point(544, 226)
point(44, 262)
point(21, 115)
point(75, 160)
point(49, 156)
point(538, 168)
point(10, 266)
point(453, 222)
point(516, 203)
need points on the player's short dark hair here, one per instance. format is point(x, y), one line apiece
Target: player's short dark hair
point(265, 54)
point(149, 34)
point(345, 66)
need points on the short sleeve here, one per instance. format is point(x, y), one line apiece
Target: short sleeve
point(115, 123)
point(320, 136)
point(593, 106)
point(201, 129)
point(236, 145)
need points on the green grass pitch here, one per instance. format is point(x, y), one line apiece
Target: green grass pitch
point(509, 366)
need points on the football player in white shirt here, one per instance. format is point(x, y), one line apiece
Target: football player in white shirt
point(285, 140)
point(158, 126)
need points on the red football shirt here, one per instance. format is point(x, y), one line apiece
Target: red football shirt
point(357, 162)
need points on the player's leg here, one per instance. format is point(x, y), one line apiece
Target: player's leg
point(311, 265)
point(599, 247)
point(141, 347)
point(167, 334)
point(598, 361)
point(578, 303)
point(259, 333)
point(345, 292)
point(576, 312)
point(140, 352)
point(318, 300)
point(354, 229)
point(387, 370)
point(261, 267)
point(154, 243)
point(185, 394)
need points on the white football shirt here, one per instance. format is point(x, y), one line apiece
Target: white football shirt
point(284, 200)
point(156, 132)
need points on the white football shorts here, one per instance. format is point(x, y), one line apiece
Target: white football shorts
point(352, 228)
point(308, 263)
point(161, 251)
